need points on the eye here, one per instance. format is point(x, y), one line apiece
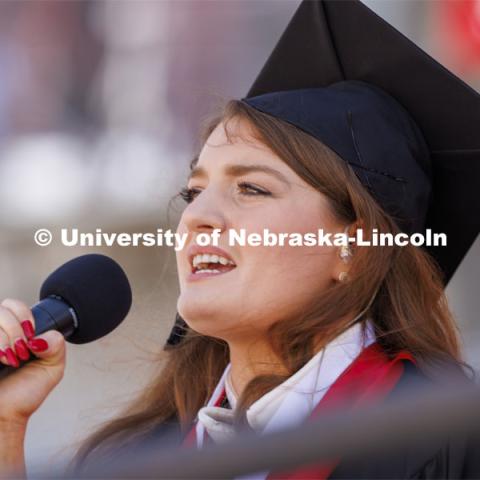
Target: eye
point(189, 194)
point(250, 189)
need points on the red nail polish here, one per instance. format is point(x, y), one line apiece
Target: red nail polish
point(38, 344)
point(21, 349)
point(28, 329)
point(11, 357)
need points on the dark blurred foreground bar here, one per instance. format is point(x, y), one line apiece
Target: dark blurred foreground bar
point(422, 415)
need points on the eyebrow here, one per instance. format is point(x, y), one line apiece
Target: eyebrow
point(237, 170)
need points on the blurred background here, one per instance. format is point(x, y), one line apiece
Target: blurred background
point(100, 104)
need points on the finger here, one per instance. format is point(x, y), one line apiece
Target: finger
point(4, 344)
point(49, 347)
point(16, 348)
point(23, 313)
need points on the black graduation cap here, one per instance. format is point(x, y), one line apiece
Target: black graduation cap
point(409, 128)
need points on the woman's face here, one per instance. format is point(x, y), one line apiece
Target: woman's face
point(244, 185)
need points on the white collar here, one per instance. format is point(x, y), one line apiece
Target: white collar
point(292, 401)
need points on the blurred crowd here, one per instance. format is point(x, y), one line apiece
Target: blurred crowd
point(100, 101)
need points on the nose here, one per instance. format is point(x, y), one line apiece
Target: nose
point(204, 214)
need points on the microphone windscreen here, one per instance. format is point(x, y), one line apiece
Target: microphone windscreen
point(97, 289)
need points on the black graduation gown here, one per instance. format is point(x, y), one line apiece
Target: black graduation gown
point(451, 458)
point(447, 458)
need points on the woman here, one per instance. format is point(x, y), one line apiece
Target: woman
point(276, 308)
point(264, 322)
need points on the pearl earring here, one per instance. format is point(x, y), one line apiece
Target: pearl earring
point(343, 276)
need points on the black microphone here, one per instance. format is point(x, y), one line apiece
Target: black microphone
point(84, 299)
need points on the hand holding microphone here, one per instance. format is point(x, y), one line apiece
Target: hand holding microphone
point(22, 392)
point(81, 301)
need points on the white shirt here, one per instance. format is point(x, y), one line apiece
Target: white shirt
point(291, 402)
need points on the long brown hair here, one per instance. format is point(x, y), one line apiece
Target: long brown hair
point(409, 309)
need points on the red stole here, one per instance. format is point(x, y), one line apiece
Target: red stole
point(368, 380)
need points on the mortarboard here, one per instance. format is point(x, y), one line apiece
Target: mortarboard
point(339, 70)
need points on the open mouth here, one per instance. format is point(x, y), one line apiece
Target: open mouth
point(203, 264)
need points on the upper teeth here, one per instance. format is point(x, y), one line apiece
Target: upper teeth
point(207, 258)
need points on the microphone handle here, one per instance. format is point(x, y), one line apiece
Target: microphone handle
point(53, 313)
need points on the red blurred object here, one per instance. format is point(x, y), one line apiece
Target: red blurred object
point(459, 31)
